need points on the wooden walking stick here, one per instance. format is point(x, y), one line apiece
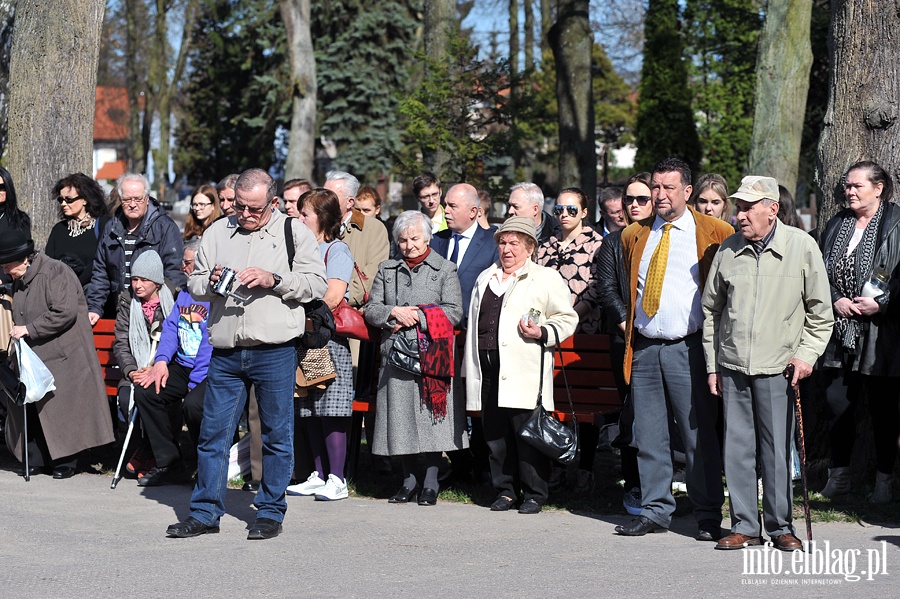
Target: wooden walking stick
point(801, 446)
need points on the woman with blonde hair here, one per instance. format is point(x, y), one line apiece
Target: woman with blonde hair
point(710, 196)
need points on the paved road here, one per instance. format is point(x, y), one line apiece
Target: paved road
point(78, 538)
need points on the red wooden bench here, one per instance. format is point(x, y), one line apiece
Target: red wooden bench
point(591, 383)
point(104, 335)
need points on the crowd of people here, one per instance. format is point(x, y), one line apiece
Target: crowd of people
point(687, 280)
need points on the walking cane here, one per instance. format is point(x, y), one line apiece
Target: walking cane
point(801, 447)
point(155, 334)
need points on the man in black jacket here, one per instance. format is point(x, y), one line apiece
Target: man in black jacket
point(140, 224)
point(527, 199)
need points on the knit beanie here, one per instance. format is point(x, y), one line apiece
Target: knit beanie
point(148, 266)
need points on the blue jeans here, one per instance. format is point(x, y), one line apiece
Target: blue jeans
point(271, 370)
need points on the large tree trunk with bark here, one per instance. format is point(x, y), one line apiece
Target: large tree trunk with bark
point(7, 17)
point(571, 40)
point(53, 79)
point(138, 141)
point(440, 24)
point(782, 82)
point(861, 122)
point(302, 139)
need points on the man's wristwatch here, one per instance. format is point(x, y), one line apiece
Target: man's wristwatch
point(277, 279)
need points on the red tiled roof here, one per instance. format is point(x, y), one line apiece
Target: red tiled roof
point(111, 171)
point(111, 114)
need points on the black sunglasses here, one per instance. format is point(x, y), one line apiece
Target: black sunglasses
point(62, 199)
point(641, 200)
point(2, 186)
point(572, 210)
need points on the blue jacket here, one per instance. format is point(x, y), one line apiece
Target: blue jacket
point(481, 253)
point(185, 337)
point(157, 232)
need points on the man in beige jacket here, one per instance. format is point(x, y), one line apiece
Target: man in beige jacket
point(766, 305)
point(252, 332)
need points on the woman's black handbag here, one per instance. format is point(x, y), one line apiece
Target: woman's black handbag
point(404, 354)
point(553, 438)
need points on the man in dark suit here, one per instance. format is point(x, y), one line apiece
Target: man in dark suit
point(472, 248)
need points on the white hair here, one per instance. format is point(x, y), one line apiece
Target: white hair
point(410, 219)
point(350, 183)
point(532, 192)
point(137, 178)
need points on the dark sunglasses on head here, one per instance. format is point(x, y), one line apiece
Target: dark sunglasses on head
point(641, 200)
point(572, 210)
point(62, 199)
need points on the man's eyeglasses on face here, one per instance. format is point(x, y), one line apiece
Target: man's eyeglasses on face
point(240, 209)
point(572, 210)
point(641, 200)
point(430, 196)
point(62, 199)
point(134, 201)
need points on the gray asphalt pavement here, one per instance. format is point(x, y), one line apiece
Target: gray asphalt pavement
point(79, 538)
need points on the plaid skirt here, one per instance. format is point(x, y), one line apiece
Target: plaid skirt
point(337, 398)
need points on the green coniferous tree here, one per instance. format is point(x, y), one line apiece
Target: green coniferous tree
point(722, 36)
point(665, 121)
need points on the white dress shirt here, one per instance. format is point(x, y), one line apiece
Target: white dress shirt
point(464, 241)
point(680, 312)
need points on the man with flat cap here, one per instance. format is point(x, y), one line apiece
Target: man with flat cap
point(767, 304)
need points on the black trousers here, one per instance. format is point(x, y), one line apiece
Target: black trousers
point(514, 464)
point(162, 413)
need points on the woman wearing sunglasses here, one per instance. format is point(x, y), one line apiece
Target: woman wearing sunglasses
point(572, 254)
point(82, 208)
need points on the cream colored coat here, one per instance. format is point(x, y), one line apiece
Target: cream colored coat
point(536, 287)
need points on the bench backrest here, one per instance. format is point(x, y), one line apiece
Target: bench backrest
point(104, 335)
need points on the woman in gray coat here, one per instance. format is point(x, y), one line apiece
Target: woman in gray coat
point(413, 419)
point(50, 313)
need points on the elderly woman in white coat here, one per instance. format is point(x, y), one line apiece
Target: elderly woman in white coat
point(503, 359)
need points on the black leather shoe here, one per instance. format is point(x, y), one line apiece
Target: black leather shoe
point(190, 528)
point(639, 527)
point(530, 506)
point(428, 497)
point(404, 495)
point(252, 486)
point(709, 530)
point(167, 475)
point(61, 472)
point(32, 471)
point(264, 528)
point(502, 504)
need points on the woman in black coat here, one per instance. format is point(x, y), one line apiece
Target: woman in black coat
point(82, 208)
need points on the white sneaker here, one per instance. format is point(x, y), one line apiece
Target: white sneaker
point(312, 485)
point(333, 490)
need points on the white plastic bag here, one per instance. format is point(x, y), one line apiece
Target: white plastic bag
point(239, 458)
point(37, 378)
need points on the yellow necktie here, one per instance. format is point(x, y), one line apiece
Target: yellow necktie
point(656, 273)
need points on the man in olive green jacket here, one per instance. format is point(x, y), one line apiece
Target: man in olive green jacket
point(767, 304)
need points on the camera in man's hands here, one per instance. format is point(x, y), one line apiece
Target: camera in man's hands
point(225, 283)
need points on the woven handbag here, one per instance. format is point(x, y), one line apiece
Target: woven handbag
point(314, 367)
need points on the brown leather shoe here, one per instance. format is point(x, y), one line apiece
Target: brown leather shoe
point(787, 542)
point(737, 540)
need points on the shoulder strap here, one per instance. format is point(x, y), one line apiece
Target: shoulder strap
point(289, 242)
point(562, 367)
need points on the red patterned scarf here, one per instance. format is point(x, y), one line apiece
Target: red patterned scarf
point(436, 357)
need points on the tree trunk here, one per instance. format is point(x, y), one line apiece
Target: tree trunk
point(7, 17)
point(546, 24)
point(514, 37)
point(571, 41)
point(861, 120)
point(529, 34)
point(53, 79)
point(136, 144)
point(302, 139)
point(782, 83)
point(440, 24)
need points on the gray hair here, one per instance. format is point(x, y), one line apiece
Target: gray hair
point(227, 183)
point(133, 177)
point(192, 244)
point(532, 192)
point(350, 183)
point(410, 219)
point(256, 177)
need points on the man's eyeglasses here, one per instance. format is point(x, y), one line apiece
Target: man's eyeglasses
point(62, 199)
point(430, 196)
point(240, 209)
point(134, 201)
point(641, 200)
point(572, 210)
point(198, 206)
